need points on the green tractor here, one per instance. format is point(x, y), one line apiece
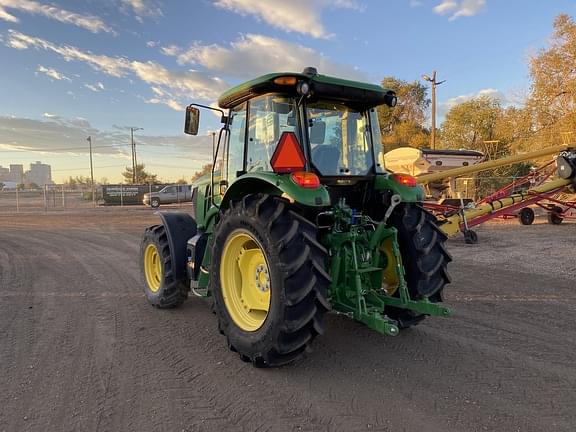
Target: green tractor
point(299, 217)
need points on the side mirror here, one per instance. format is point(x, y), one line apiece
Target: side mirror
point(192, 120)
point(318, 132)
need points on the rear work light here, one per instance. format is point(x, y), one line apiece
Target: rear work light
point(305, 179)
point(404, 179)
point(288, 156)
point(285, 80)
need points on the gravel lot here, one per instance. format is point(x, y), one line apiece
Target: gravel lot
point(81, 350)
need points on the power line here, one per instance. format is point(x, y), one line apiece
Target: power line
point(57, 149)
point(148, 166)
point(81, 169)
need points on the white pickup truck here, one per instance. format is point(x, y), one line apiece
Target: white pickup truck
point(168, 195)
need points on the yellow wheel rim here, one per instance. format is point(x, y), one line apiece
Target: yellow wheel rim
point(153, 267)
point(390, 280)
point(245, 281)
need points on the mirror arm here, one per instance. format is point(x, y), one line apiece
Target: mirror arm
point(223, 117)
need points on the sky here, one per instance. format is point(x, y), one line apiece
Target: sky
point(71, 69)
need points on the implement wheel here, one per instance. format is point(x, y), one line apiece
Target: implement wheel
point(554, 215)
point(162, 289)
point(470, 237)
point(526, 216)
point(269, 279)
point(424, 256)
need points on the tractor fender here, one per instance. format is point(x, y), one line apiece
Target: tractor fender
point(407, 193)
point(180, 227)
point(275, 184)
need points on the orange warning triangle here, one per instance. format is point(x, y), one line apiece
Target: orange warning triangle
point(288, 156)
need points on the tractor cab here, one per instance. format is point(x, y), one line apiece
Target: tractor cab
point(320, 132)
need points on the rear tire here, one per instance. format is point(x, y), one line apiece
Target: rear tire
point(554, 217)
point(526, 216)
point(424, 257)
point(296, 279)
point(161, 288)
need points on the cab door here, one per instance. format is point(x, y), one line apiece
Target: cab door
point(229, 162)
point(236, 144)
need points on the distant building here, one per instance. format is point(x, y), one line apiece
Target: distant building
point(16, 173)
point(39, 173)
point(4, 174)
point(13, 174)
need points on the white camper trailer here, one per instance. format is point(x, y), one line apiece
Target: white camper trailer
point(417, 162)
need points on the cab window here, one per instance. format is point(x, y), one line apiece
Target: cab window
point(339, 139)
point(270, 116)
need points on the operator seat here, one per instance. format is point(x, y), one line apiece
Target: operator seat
point(326, 158)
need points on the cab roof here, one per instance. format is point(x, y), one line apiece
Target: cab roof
point(356, 94)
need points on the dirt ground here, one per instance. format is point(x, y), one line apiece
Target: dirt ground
point(81, 350)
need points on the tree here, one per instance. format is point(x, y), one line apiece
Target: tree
point(143, 177)
point(75, 182)
point(552, 101)
point(403, 125)
point(482, 124)
point(469, 124)
point(206, 169)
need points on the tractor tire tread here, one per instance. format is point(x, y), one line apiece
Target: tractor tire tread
point(424, 256)
point(172, 292)
point(301, 263)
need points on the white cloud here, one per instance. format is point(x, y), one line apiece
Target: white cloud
point(56, 135)
point(184, 85)
point(52, 73)
point(115, 66)
point(143, 8)
point(87, 22)
point(253, 55)
point(448, 104)
point(192, 84)
point(164, 97)
point(6, 16)
point(301, 16)
point(459, 8)
point(95, 87)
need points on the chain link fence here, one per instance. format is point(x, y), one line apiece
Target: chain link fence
point(54, 198)
point(47, 199)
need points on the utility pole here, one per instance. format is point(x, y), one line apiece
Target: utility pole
point(134, 161)
point(433, 83)
point(89, 139)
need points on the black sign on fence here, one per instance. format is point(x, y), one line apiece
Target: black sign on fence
point(127, 194)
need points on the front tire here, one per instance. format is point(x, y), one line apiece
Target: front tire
point(161, 288)
point(155, 203)
point(269, 279)
point(424, 257)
